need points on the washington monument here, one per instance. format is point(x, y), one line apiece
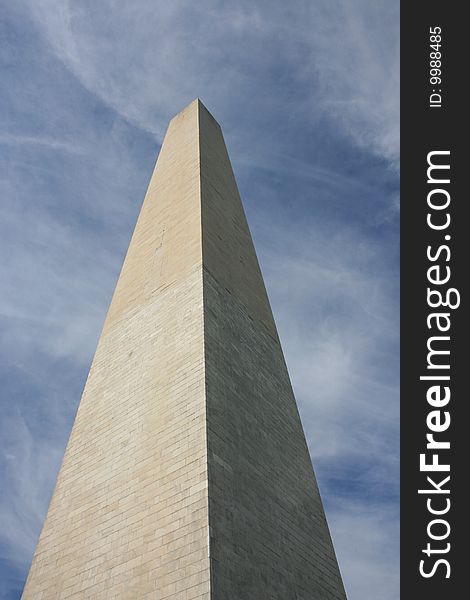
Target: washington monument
point(187, 474)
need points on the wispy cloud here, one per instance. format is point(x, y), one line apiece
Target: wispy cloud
point(44, 142)
point(356, 56)
point(147, 56)
point(367, 536)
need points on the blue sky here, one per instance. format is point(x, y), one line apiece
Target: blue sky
point(307, 96)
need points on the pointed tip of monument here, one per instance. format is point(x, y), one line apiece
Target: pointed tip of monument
point(198, 104)
point(202, 106)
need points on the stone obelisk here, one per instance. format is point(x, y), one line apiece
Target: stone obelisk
point(187, 474)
